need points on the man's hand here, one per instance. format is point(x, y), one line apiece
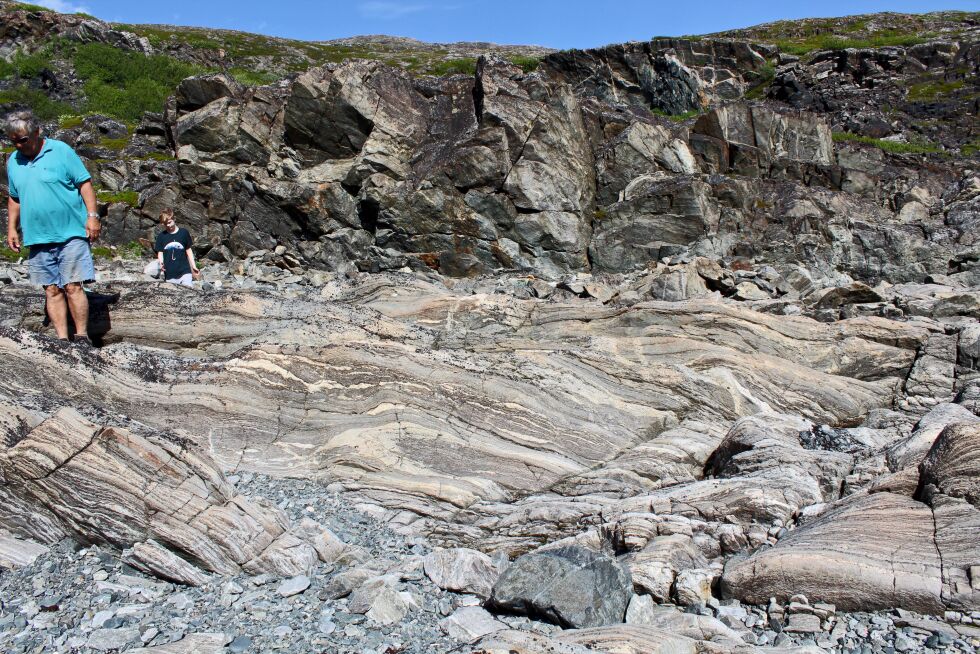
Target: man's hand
point(13, 241)
point(93, 228)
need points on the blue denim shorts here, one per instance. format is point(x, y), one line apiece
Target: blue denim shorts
point(61, 263)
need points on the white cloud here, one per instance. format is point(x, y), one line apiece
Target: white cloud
point(389, 10)
point(64, 7)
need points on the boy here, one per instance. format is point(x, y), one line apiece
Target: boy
point(173, 248)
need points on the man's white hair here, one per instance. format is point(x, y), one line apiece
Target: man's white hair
point(21, 121)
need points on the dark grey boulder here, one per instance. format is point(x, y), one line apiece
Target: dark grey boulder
point(570, 586)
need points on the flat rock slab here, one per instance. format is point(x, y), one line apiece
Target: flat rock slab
point(293, 586)
point(17, 553)
point(471, 622)
point(104, 640)
point(208, 643)
point(571, 586)
point(872, 552)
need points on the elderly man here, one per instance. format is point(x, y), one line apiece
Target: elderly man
point(53, 202)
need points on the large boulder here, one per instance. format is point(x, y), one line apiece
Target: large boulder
point(952, 465)
point(570, 586)
point(461, 570)
point(870, 552)
point(949, 483)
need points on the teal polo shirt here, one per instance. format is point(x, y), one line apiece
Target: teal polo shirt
point(51, 207)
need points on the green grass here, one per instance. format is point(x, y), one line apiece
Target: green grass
point(131, 250)
point(70, 121)
point(132, 198)
point(810, 44)
point(765, 76)
point(527, 64)
point(115, 144)
point(464, 66)
point(971, 149)
point(27, 66)
point(22, 96)
point(159, 156)
point(888, 146)
point(27, 7)
point(932, 90)
point(250, 77)
point(7, 149)
point(9, 255)
point(677, 118)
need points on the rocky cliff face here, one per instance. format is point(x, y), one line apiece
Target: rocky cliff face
point(690, 322)
point(579, 167)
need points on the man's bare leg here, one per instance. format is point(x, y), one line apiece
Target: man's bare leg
point(57, 310)
point(78, 304)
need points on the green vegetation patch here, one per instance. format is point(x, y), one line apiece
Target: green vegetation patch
point(70, 121)
point(464, 66)
point(25, 6)
point(677, 118)
point(764, 77)
point(527, 64)
point(895, 147)
point(9, 255)
point(158, 156)
point(132, 198)
point(834, 42)
point(115, 144)
point(27, 65)
point(251, 77)
point(125, 84)
point(131, 250)
point(932, 90)
point(38, 101)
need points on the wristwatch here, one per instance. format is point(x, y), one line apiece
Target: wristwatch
point(93, 215)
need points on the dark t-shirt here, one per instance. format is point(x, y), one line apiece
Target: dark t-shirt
point(174, 247)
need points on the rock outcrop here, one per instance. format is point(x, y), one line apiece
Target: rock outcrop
point(160, 497)
point(661, 347)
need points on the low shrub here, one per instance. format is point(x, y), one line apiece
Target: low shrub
point(22, 96)
point(465, 66)
point(132, 198)
point(26, 66)
point(677, 118)
point(896, 147)
point(126, 84)
point(527, 64)
point(131, 250)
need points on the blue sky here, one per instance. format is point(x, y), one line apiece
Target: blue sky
point(552, 23)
